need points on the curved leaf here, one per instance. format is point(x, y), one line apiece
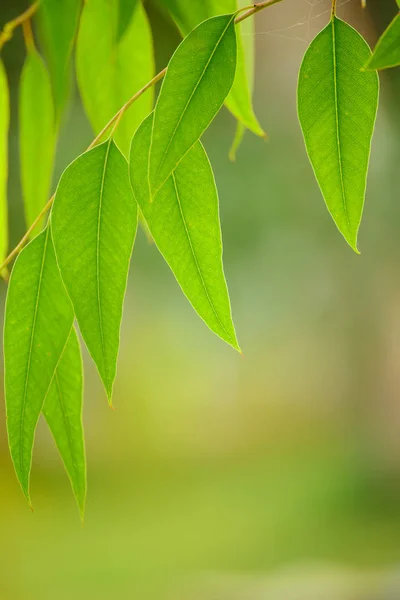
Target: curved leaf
point(94, 222)
point(183, 219)
point(38, 321)
point(387, 50)
point(111, 68)
point(63, 412)
point(58, 20)
point(37, 136)
point(4, 125)
point(337, 106)
point(199, 77)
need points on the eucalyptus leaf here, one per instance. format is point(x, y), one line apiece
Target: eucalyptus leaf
point(38, 321)
point(58, 22)
point(387, 50)
point(94, 221)
point(63, 412)
point(183, 219)
point(4, 125)
point(199, 77)
point(113, 66)
point(36, 136)
point(337, 105)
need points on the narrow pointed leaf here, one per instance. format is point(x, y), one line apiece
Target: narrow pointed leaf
point(38, 320)
point(4, 125)
point(337, 105)
point(183, 219)
point(63, 412)
point(36, 136)
point(94, 222)
point(112, 67)
point(199, 77)
point(387, 50)
point(58, 21)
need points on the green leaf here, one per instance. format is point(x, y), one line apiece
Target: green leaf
point(4, 125)
point(58, 23)
point(38, 321)
point(199, 77)
point(94, 222)
point(337, 106)
point(183, 219)
point(188, 15)
point(387, 50)
point(111, 69)
point(63, 412)
point(37, 136)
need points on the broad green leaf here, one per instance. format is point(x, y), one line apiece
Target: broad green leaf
point(199, 77)
point(187, 15)
point(111, 69)
point(387, 50)
point(58, 22)
point(4, 124)
point(183, 219)
point(337, 106)
point(36, 136)
point(94, 222)
point(63, 412)
point(38, 321)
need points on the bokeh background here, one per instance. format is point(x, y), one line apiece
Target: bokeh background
point(273, 476)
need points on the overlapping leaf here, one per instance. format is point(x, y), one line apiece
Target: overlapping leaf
point(4, 124)
point(59, 21)
point(183, 219)
point(63, 412)
point(199, 77)
point(337, 105)
point(94, 221)
point(37, 136)
point(38, 321)
point(387, 50)
point(115, 64)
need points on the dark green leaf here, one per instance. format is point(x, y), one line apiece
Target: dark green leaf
point(94, 221)
point(337, 106)
point(183, 219)
point(387, 50)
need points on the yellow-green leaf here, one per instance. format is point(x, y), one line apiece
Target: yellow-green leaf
point(387, 50)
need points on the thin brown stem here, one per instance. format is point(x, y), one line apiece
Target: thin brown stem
point(255, 9)
point(9, 27)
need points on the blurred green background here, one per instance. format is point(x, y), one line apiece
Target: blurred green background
point(270, 476)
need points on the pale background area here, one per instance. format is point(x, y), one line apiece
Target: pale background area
point(270, 477)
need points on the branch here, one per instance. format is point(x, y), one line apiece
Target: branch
point(9, 27)
point(114, 120)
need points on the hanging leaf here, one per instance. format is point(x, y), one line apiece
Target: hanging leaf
point(337, 106)
point(183, 219)
point(38, 321)
point(387, 50)
point(94, 221)
point(199, 77)
point(4, 125)
point(63, 412)
point(37, 136)
point(188, 15)
point(58, 23)
point(111, 69)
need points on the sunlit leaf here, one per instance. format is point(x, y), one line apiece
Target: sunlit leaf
point(387, 50)
point(199, 77)
point(183, 219)
point(37, 136)
point(38, 321)
point(111, 68)
point(337, 105)
point(94, 222)
point(63, 412)
point(4, 124)
point(187, 15)
point(58, 21)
